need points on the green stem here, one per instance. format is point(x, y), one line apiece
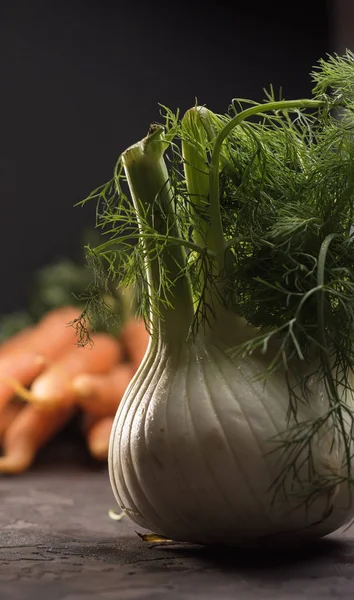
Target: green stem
point(217, 241)
point(196, 172)
point(171, 309)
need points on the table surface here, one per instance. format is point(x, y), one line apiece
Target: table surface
point(58, 542)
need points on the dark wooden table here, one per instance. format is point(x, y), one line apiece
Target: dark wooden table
point(57, 542)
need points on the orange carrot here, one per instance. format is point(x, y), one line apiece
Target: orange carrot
point(18, 369)
point(54, 333)
point(49, 337)
point(54, 386)
point(97, 433)
point(8, 414)
point(24, 356)
point(101, 394)
point(134, 338)
point(31, 429)
point(16, 341)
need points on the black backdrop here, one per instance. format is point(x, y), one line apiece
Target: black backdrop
point(82, 79)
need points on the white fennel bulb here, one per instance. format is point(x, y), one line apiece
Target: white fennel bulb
point(193, 455)
point(237, 427)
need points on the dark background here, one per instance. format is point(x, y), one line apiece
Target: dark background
point(81, 80)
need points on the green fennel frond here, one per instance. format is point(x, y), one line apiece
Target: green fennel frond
point(261, 205)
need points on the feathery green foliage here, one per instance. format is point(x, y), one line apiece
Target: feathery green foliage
point(262, 200)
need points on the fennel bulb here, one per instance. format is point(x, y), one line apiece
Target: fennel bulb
point(192, 456)
point(237, 427)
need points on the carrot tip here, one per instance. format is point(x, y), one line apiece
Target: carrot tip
point(13, 465)
point(82, 386)
point(99, 451)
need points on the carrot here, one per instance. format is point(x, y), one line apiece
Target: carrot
point(24, 356)
point(8, 414)
point(134, 338)
point(31, 429)
point(101, 394)
point(97, 433)
point(54, 386)
point(16, 370)
point(49, 337)
point(16, 341)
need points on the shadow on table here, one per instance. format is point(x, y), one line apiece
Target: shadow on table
point(327, 551)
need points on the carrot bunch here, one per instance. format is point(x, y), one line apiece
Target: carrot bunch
point(46, 378)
